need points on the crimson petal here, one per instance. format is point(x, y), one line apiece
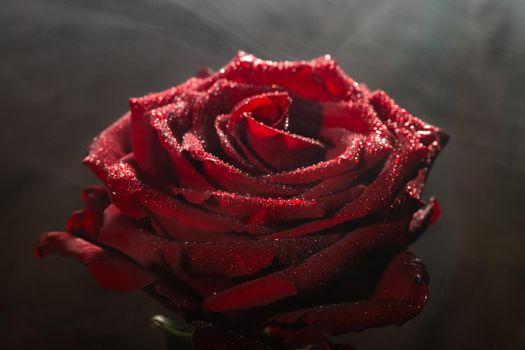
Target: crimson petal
point(400, 295)
point(220, 97)
point(149, 153)
point(316, 271)
point(270, 108)
point(240, 258)
point(183, 171)
point(227, 259)
point(280, 149)
point(174, 294)
point(109, 270)
point(353, 116)
point(89, 220)
point(383, 189)
point(242, 157)
point(229, 177)
point(254, 210)
point(425, 216)
point(109, 147)
point(134, 240)
point(170, 212)
point(105, 160)
point(331, 185)
point(204, 286)
point(320, 79)
point(261, 291)
point(355, 152)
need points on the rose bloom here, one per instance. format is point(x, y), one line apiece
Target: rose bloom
point(270, 203)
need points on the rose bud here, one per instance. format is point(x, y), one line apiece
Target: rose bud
point(270, 203)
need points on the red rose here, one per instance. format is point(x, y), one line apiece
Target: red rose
point(272, 201)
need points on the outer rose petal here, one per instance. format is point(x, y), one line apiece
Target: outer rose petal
point(400, 295)
point(162, 121)
point(90, 219)
point(129, 237)
point(174, 294)
point(320, 79)
point(236, 258)
point(109, 270)
point(258, 292)
point(217, 258)
point(104, 159)
point(425, 216)
point(315, 272)
point(169, 211)
point(150, 155)
point(109, 147)
point(353, 116)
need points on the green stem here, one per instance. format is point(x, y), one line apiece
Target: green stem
point(176, 339)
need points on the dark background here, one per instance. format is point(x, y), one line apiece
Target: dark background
point(68, 67)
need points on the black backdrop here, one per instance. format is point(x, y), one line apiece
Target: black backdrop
point(67, 68)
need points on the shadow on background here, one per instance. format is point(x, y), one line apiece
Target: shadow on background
point(68, 67)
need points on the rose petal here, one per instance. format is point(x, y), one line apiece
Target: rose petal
point(228, 177)
point(229, 260)
point(401, 294)
point(122, 184)
point(109, 270)
point(237, 136)
point(425, 216)
point(319, 269)
point(167, 209)
point(319, 79)
point(251, 209)
point(261, 291)
point(109, 147)
point(269, 108)
point(174, 294)
point(358, 153)
point(148, 152)
point(280, 149)
point(89, 220)
point(353, 116)
point(239, 258)
point(389, 111)
point(220, 98)
point(131, 238)
point(316, 271)
point(241, 157)
point(204, 286)
point(105, 160)
point(331, 185)
point(295, 250)
point(379, 193)
point(183, 171)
